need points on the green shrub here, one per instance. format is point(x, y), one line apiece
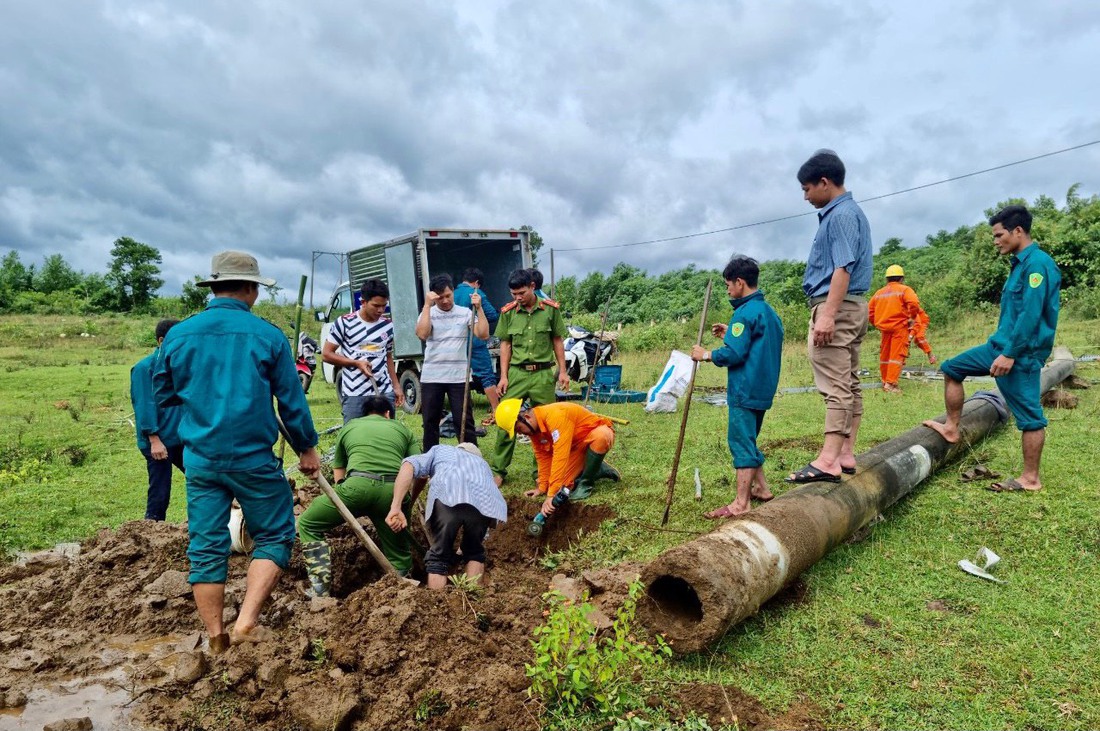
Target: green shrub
point(577, 671)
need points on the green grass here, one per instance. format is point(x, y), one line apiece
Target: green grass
point(863, 645)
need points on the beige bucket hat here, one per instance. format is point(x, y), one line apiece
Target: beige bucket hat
point(235, 266)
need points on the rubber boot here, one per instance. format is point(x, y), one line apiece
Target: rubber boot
point(318, 560)
point(586, 481)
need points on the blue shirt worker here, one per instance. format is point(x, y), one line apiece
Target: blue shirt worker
point(1015, 353)
point(223, 366)
point(838, 275)
point(752, 350)
point(462, 496)
point(157, 430)
point(481, 363)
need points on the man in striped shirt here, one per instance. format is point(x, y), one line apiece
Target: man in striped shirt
point(462, 495)
point(445, 329)
point(361, 345)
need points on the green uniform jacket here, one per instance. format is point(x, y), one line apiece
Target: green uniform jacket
point(224, 365)
point(753, 352)
point(148, 419)
point(1029, 306)
point(374, 444)
point(531, 333)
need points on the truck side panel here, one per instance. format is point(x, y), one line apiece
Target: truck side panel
point(405, 299)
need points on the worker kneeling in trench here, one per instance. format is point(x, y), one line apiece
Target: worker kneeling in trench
point(570, 444)
point(461, 496)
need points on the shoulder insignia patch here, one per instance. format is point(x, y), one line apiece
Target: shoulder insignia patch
point(509, 307)
point(551, 302)
point(737, 328)
point(1035, 280)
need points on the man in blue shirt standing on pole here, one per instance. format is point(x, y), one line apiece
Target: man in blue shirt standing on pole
point(838, 275)
point(223, 366)
point(1015, 353)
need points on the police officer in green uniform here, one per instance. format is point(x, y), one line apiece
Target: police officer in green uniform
point(532, 342)
point(368, 457)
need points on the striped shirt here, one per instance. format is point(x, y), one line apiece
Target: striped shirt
point(459, 478)
point(359, 340)
point(843, 241)
point(445, 348)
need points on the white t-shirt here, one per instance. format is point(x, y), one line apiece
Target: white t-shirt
point(445, 348)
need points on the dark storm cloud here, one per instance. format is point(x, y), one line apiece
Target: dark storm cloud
point(283, 127)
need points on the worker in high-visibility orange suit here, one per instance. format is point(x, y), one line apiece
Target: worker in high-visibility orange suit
point(896, 312)
point(570, 444)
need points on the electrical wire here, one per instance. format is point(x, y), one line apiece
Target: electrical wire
point(808, 213)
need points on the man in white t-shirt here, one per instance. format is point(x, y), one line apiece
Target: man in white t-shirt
point(445, 329)
point(361, 344)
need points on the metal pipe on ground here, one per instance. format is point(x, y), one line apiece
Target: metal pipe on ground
point(698, 590)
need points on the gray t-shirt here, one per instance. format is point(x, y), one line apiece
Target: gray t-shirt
point(445, 348)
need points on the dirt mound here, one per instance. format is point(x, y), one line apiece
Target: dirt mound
point(120, 619)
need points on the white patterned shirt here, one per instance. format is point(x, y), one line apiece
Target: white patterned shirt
point(359, 340)
point(445, 348)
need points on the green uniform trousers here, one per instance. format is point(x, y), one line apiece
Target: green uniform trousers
point(536, 387)
point(363, 496)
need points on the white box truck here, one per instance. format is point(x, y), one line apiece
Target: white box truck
point(406, 264)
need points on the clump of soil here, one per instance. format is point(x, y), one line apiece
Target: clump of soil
point(387, 655)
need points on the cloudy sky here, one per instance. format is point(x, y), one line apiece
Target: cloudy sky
point(285, 127)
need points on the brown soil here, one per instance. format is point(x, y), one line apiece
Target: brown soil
point(387, 655)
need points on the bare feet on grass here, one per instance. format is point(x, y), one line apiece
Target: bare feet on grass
point(949, 433)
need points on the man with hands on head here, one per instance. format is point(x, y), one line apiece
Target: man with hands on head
point(445, 329)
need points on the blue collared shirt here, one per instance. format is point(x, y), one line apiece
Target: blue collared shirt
point(457, 478)
point(843, 241)
point(1029, 306)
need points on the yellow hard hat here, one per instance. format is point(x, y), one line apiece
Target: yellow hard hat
point(895, 271)
point(507, 413)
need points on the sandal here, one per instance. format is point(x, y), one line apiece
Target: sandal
point(979, 472)
point(808, 474)
point(489, 420)
point(1011, 485)
point(848, 470)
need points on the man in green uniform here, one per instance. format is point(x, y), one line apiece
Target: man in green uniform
point(532, 342)
point(1015, 353)
point(368, 457)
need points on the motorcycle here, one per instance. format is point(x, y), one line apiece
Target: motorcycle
point(584, 350)
point(306, 363)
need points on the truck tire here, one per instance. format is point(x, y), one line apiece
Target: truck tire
point(409, 383)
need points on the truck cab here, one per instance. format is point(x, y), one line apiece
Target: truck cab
point(407, 263)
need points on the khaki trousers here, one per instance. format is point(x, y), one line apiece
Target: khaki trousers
point(836, 366)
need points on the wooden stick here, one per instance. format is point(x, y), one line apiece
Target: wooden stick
point(592, 373)
point(687, 407)
point(294, 343)
point(355, 527)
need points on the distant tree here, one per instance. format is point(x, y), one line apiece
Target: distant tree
point(892, 247)
point(14, 275)
point(194, 297)
point(56, 275)
point(134, 274)
point(535, 242)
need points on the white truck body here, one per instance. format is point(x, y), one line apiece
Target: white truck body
point(407, 263)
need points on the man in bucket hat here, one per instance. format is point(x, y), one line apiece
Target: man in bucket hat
point(222, 366)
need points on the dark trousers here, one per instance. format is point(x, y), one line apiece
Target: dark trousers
point(160, 481)
point(431, 406)
point(444, 525)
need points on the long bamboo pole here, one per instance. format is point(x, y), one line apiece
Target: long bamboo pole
point(687, 406)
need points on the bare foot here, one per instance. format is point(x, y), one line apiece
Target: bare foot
point(498, 480)
point(727, 511)
point(219, 643)
point(761, 493)
point(890, 388)
point(949, 434)
point(254, 634)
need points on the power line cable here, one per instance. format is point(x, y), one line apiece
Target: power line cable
point(863, 200)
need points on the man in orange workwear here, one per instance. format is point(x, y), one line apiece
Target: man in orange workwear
point(570, 444)
point(896, 312)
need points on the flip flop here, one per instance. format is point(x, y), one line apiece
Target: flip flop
point(762, 499)
point(979, 472)
point(1011, 485)
point(488, 420)
point(808, 474)
point(720, 513)
point(848, 470)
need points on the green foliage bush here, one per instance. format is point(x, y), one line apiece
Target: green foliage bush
point(576, 670)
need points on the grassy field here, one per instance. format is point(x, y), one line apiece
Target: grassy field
point(888, 633)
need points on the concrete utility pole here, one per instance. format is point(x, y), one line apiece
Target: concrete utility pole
point(699, 589)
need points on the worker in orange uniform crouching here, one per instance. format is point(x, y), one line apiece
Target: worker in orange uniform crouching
point(896, 312)
point(570, 444)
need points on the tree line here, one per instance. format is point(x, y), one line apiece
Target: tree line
point(952, 272)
